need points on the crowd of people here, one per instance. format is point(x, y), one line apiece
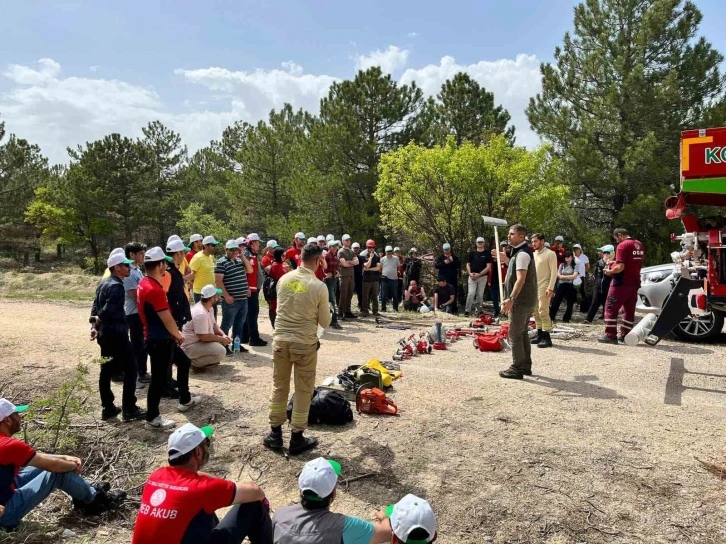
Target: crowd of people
point(168, 316)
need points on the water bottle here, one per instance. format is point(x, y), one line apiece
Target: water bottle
point(236, 344)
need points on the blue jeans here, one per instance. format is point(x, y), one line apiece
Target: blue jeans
point(234, 315)
point(389, 288)
point(33, 485)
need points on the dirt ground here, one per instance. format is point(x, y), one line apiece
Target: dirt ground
point(601, 445)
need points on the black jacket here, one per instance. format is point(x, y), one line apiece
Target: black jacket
point(450, 271)
point(177, 297)
point(109, 306)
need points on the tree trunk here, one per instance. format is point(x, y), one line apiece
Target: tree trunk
point(26, 258)
point(59, 251)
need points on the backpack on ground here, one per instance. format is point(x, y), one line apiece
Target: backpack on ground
point(327, 408)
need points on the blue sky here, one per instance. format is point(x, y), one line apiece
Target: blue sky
point(199, 66)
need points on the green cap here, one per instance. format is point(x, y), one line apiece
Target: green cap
point(207, 430)
point(24, 407)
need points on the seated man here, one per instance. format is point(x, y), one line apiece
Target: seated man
point(204, 342)
point(312, 520)
point(178, 503)
point(414, 297)
point(412, 520)
point(27, 477)
point(444, 296)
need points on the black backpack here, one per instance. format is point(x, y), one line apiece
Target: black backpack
point(327, 407)
point(269, 289)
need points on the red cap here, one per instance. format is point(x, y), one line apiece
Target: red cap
point(371, 243)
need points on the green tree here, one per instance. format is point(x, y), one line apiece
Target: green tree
point(432, 195)
point(122, 167)
point(467, 111)
point(193, 219)
point(22, 170)
point(359, 121)
point(166, 193)
point(71, 209)
point(633, 76)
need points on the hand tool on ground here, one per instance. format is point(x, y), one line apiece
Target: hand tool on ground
point(394, 327)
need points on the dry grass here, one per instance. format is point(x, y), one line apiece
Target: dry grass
point(48, 286)
point(594, 448)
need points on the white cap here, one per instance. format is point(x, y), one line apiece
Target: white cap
point(7, 408)
point(300, 235)
point(155, 254)
point(320, 238)
point(173, 237)
point(319, 476)
point(312, 240)
point(174, 244)
point(241, 241)
point(389, 248)
point(329, 238)
point(547, 244)
point(559, 239)
point(356, 244)
point(209, 290)
point(609, 248)
point(411, 513)
point(396, 249)
point(195, 238)
point(232, 244)
point(272, 243)
point(480, 240)
point(117, 256)
point(186, 438)
point(334, 243)
point(446, 246)
point(578, 246)
point(346, 237)
point(209, 240)
point(253, 237)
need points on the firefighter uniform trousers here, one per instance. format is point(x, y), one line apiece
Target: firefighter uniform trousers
point(620, 296)
point(301, 360)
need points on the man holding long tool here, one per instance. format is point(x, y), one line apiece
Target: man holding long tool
point(520, 287)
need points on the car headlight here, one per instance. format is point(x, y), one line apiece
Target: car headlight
point(655, 277)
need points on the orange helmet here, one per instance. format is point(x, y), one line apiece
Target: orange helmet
point(371, 243)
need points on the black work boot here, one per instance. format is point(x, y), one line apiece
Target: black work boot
point(546, 341)
point(537, 339)
point(274, 439)
point(300, 443)
point(511, 374)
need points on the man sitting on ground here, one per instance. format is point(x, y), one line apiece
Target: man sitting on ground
point(312, 521)
point(414, 297)
point(179, 502)
point(27, 477)
point(204, 342)
point(444, 296)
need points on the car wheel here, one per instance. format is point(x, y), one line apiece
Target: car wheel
point(701, 329)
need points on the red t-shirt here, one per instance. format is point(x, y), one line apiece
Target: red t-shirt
point(630, 252)
point(267, 260)
point(178, 505)
point(293, 254)
point(277, 271)
point(14, 455)
point(151, 299)
point(189, 255)
point(560, 252)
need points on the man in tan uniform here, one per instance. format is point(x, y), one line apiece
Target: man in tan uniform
point(302, 305)
point(545, 262)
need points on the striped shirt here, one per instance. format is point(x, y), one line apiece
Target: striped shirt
point(235, 277)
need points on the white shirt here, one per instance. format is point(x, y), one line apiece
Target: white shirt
point(581, 261)
point(524, 259)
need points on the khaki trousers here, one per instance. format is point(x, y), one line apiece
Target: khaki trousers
point(347, 288)
point(205, 353)
point(542, 311)
point(303, 360)
point(370, 294)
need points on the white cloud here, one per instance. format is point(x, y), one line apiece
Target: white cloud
point(412, 34)
point(56, 111)
point(93, 68)
point(513, 82)
point(389, 60)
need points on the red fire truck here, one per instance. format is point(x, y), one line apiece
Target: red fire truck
point(699, 280)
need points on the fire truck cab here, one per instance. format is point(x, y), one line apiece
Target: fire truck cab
point(699, 282)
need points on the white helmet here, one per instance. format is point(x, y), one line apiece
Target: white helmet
point(424, 309)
